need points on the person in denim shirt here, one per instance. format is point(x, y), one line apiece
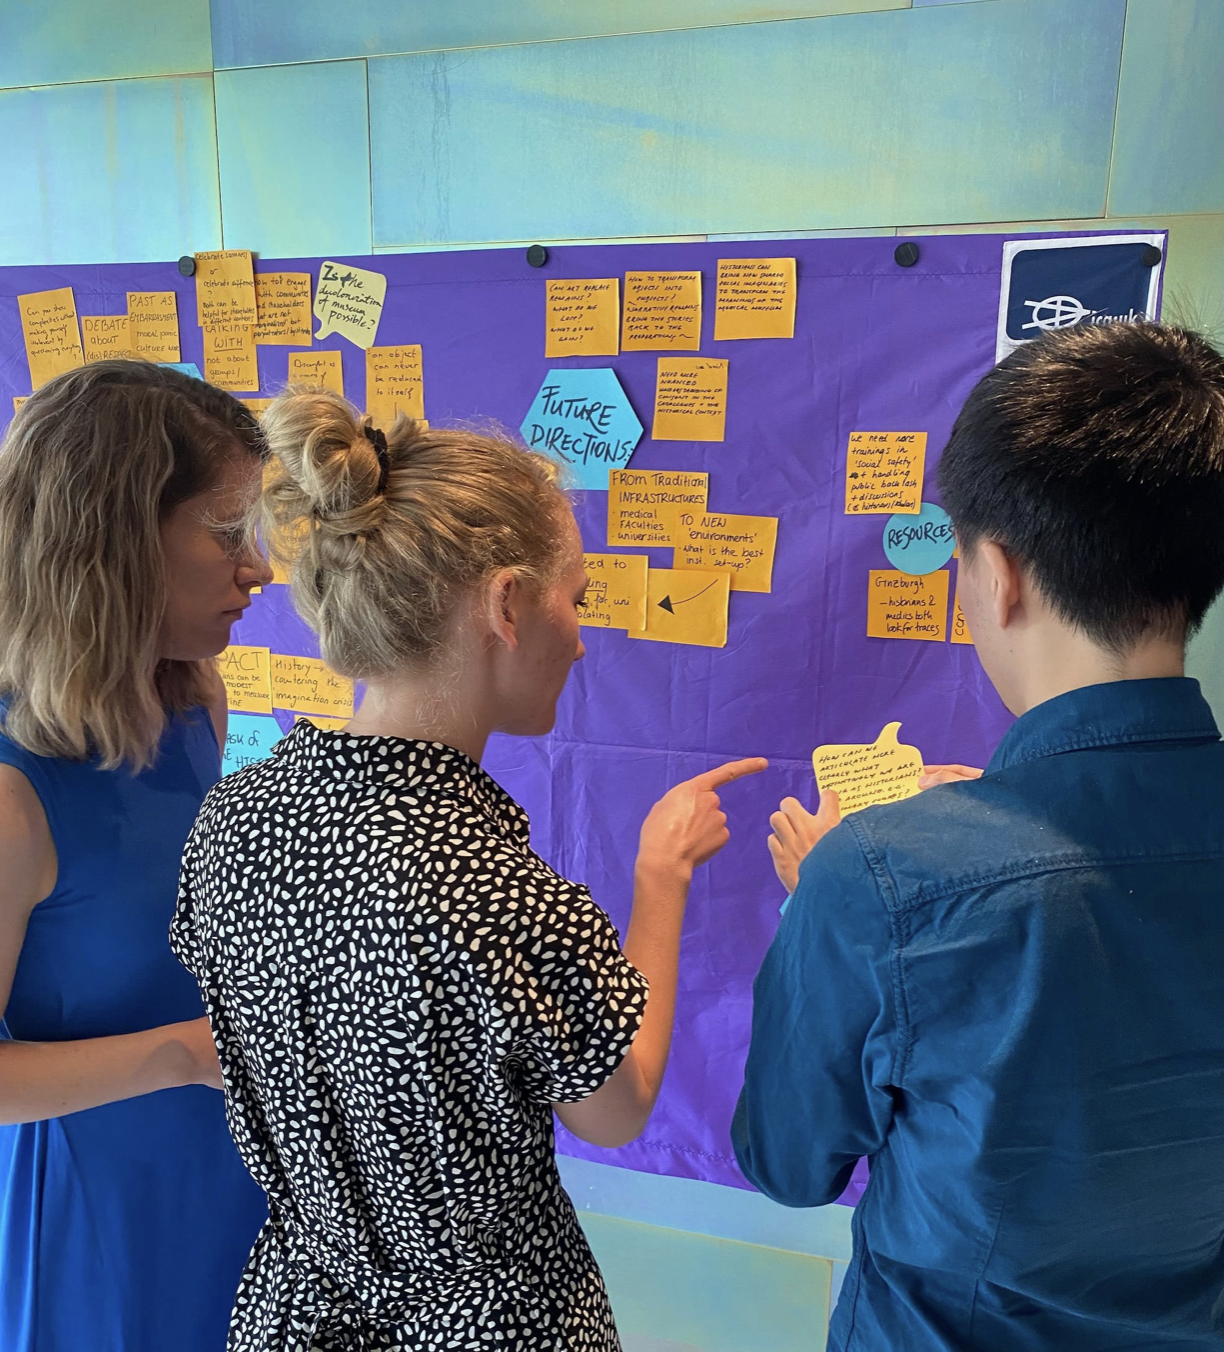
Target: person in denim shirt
point(1008, 991)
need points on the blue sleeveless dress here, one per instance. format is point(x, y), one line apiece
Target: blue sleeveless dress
point(124, 1228)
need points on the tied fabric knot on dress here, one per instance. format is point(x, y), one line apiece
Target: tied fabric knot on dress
point(378, 439)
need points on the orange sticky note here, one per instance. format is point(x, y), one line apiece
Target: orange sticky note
point(307, 685)
point(317, 368)
point(744, 545)
point(283, 302)
point(756, 298)
point(246, 672)
point(582, 317)
point(225, 288)
point(662, 312)
point(230, 361)
point(690, 399)
point(686, 607)
point(884, 472)
point(863, 775)
point(257, 406)
point(155, 330)
point(106, 336)
point(901, 606)
point(395, 383)
point(18, 400)
point(616, 591)
point(960, 627)
point(642, 503)
point(52, 336)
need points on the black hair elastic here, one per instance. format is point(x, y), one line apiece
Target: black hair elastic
point(378, 439)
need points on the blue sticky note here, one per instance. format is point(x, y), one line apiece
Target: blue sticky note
point(919, 544)
point(583, 420)
point(188, 368)
point(249, 738)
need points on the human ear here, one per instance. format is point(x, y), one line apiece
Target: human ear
point(503, 608)
point(1001, 576)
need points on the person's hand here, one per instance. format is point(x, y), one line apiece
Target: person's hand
point(796, 832)
point(687, 826)
point(946, 774)
point(204, 1068)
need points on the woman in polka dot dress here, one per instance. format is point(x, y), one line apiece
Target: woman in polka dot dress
point(401, 991)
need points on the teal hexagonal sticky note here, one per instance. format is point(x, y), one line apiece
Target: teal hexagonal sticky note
point(583, 420)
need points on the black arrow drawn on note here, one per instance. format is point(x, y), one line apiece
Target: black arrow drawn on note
point(670, 606)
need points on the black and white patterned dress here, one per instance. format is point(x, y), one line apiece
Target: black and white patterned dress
point(399, 988)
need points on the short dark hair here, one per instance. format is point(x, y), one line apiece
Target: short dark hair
point(1095, 456)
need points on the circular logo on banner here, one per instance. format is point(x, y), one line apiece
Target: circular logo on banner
point(919, 544)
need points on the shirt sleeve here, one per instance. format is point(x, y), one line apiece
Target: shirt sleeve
point(818, 1084)
point(183, 938)
point(571, 1001)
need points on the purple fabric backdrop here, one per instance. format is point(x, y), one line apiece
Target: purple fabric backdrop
point(876, 347)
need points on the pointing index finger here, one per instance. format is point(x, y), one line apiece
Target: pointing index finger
point(724, 774)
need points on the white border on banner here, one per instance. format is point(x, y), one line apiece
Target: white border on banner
point(1004, 345)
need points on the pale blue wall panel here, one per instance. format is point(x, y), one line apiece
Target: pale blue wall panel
point(948, 113)
point(714, 1295)
point(265, 32)
point(118, 171)
point(55, 41)
point(295, 159)
point(1167, 156)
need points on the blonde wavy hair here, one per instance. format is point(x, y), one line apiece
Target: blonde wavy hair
point(90, 467)
point(382, 536)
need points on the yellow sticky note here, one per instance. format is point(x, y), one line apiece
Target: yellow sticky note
point(756, 298)
point(257, 406)
point(960, 627)
point(690, 399)
point(662, 312)
point(18, 400)
point(616, 591)
point(247, 675)
point(230, 361)
point(744, 545)
point(643, 503)
point(686, 607)
point(225, 288)
point(884, 472)
point(155, 330)
point(106, 336)
point(395, 383)
point(862, 776)
point(583, 317)
point(331, 724)
point(283, 302)
point(52, 336)
point(349, 301)
point(317, 368)
point(308, 686)
point(901, 606)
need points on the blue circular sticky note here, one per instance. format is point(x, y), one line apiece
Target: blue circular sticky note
point(919, 544)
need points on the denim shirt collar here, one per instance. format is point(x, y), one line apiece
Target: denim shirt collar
point(1118, 713)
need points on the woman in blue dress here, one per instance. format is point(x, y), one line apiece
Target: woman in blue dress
point(125, 1214)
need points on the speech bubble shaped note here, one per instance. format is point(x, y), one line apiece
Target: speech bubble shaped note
point(862, 776)
point(349, 301)
point(920, 544)
point(248, 738)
